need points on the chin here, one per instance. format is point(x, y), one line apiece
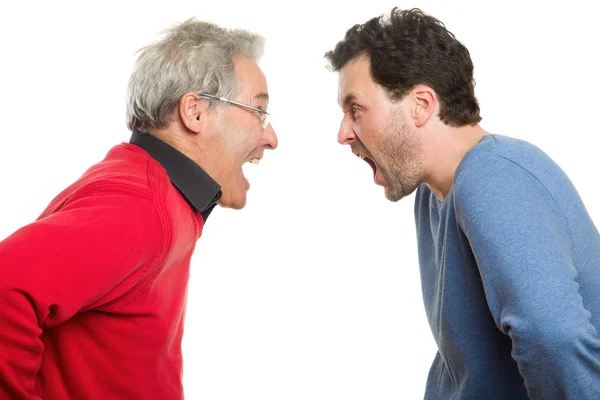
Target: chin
point(393, 196)
point(234, 202)
point(397, 193)
point(238, 205)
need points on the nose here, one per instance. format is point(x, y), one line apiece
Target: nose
point(346, 134)
point(269, 139)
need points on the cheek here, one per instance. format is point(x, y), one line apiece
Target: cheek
point(368, 132)
point(251, 141)
point(248, 136)
point(237, 144)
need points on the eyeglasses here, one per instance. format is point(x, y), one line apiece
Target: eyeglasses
point(264, 115)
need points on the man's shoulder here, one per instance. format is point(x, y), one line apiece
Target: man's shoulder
point(505, 160)
point(519, 151)
point(126, 166)
point(495, 147)
point(509, 173)
point(125, 171)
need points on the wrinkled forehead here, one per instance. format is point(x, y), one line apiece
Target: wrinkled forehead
point(251, 79)
point(354, 80)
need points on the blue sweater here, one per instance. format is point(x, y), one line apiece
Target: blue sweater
point(510, 271)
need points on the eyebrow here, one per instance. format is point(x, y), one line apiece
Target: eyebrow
point(262, 95)
point(348, 99)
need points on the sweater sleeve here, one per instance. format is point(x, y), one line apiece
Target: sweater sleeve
point(94, 249)
point(523, 249)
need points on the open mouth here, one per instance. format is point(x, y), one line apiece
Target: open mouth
point(370, 162)
point(245, 171)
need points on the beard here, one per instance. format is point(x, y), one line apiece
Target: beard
point(398, 156)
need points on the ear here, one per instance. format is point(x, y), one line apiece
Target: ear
point(192, 109)
point(423, 103)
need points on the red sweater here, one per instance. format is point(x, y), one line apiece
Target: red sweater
point(93, 293)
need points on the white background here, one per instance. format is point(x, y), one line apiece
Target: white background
point(312, 291)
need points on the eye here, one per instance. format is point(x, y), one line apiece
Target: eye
point(354, 110)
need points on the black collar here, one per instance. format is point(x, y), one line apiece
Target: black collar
point(200, 190)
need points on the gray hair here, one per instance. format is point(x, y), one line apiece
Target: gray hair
point(194, 56)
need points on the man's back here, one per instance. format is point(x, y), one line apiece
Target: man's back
point(510, 270)
point(110, 270)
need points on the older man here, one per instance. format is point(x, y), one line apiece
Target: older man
point(509, 257)
point(93, 293)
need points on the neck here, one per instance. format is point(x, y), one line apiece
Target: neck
point(446, 150)
point(180, 141)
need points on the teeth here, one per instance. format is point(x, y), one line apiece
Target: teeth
point(255, 161)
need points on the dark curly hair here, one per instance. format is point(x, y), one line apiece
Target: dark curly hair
point(410, 48)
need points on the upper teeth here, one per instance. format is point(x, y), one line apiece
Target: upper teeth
point(255, 160)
